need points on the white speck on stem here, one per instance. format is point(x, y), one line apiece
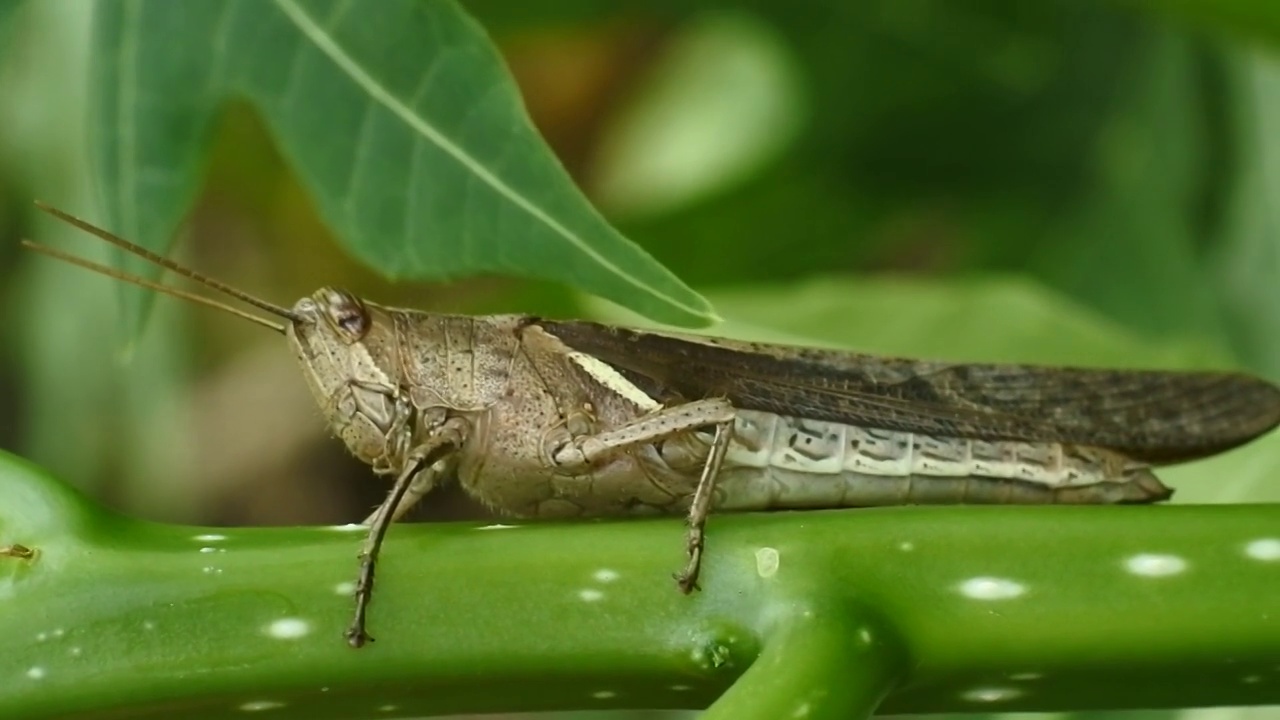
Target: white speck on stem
point(36, 673)
point(802, 710)
point(906, 546)
point(498, 526)
point(209, 537)
point(75, 651)
point(992, 588)
point(991, 694)
point(207, 549)
point(1024, 676)
point(681, 688)
point(767, 561)
point(345, 588)
point(148, 625)
point(388, 708)
point(604, 694)
point(42, 636)
point(260, 705)
point(605, 575)
point(1264, 549)
point(864, 634)
point(349, 527)
point(1155, 565)
point(590, 595)
point(288, 628)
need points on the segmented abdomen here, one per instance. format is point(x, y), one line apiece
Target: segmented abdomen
point(785, 462)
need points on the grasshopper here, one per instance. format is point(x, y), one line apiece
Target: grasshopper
point(548, 418)
point(22, 552)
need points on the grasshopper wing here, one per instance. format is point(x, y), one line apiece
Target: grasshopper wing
point(1152, 416)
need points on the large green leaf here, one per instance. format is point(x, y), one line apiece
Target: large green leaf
point(398, 116)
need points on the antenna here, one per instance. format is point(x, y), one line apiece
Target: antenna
point(161, 261)
point(165, 289)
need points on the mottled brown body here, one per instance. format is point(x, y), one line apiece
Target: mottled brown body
point(565, 419)
point(514, 386)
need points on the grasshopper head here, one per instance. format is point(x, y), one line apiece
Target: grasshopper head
point(347, 353)
point(336, 336)
point(330, 316)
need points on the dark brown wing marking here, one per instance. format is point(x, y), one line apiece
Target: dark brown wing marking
point(1153, 416)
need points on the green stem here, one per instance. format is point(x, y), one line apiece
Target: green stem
point(816, 665)
point(980, 608)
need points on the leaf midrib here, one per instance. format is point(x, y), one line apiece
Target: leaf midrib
point(325, 42)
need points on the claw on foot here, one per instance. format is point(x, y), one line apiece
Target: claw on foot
point(686, 582)
point(356, 637)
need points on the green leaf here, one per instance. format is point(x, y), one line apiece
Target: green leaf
point(1134, 244)
point(399, 117)
point(1248, 257)
point(8, 10)
point(1253, 19)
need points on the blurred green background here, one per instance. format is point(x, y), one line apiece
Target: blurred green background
point(1060, 181)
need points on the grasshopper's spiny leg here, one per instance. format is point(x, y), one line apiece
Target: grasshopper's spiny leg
point(446, 440)
point(687, 579)
point(421, 484)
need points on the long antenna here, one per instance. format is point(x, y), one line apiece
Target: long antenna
point(160, 260)
point(175, 292)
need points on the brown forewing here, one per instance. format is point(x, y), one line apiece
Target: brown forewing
point(1154, 416)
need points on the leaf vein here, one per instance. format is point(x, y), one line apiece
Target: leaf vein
point(338, 55)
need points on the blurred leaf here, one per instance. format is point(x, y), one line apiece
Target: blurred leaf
point(981, 319)
point(722, 101)
point(1250, 19)
point(963, 99)
point(1247, 260)
point(1132, 245)
point(1063, 140)
point(78, 411)
point(786, 224)
point(941, 136)
point(400, 118)
point(8, 10)
point(502, 16)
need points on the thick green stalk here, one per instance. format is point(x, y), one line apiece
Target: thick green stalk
point(959, 609)
point(818, 663)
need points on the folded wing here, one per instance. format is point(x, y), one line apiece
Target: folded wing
point(1152, 416)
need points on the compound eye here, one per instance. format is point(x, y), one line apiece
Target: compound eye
point(348, 314)
point(353, 321)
